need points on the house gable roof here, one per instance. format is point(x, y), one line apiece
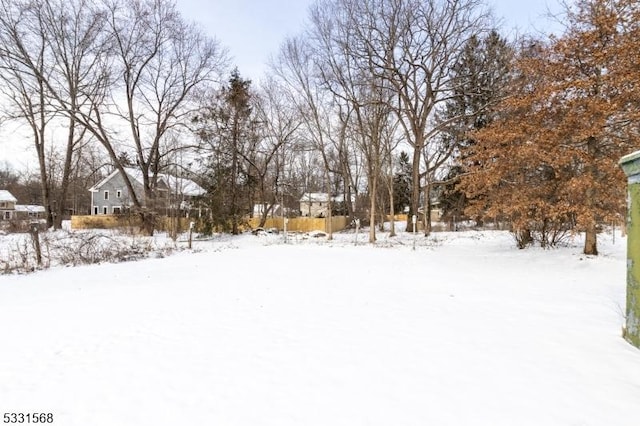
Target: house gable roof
point(96, 187)
point(7, 196)
point(182, 186)
point(323, 197)
point(29, 208)
point(314, 197)
point(259, 209)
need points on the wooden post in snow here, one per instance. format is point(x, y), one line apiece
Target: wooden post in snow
point(631, 330)
point(36, 241)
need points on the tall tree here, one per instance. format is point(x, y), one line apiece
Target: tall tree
point(325, 119)
point(349, 73)
point(280, 122)
point(24, 71)
point(228, 134)
point(482, 74)
point(73, 30)
point(402, 183)
point(548, 162)
point(415, 43)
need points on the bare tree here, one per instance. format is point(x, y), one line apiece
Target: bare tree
point(124, 71)
point(325, 119)
point(68, 36)
point(349, 73)
point(154, 63)
point(73, 33)
point(280, 122)
point(24, 66)
point(414, 43)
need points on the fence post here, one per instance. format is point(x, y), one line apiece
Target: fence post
point(35, 237)
point(414, 219)
point(191, 225)
point(285, 221)
point(631, 166)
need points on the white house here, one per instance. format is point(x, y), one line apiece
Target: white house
point(30, 211)
point(111, 195)
point(314, 204)
point(7, 205)
point(273, 211)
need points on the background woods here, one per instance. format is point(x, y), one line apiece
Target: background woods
point(386, 106)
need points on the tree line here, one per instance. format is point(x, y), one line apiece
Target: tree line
point(387, 102)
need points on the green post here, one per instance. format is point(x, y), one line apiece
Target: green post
point(631, 166)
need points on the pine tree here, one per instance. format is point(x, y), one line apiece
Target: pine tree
point(482, 74)
point(226, 130)
point(402, 184)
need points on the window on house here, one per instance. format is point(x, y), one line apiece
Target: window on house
point(106, 195)
point(95, 209)
point(118, 193)
point(7, 215)
point(117, 210)
point(105, 210)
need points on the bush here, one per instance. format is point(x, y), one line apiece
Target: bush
point(78, 248)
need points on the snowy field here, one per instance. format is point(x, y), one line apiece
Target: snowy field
point(248, 331)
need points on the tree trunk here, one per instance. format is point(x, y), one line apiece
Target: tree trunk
point(234, 183)
point(147, 211)
point(66, 177)
point(147, 222)
point(415, 185)
point(329, 218)
point(39, 134)
point(392, 212)
point(590, 240)
point(427, 210)
point(44, 178)
point(372, 209)
point(347, 200)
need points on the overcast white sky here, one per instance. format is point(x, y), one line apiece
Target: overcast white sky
point(253, 30)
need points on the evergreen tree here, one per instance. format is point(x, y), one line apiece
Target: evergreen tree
point(481, 76)
point(227, 130)
point(402, 184)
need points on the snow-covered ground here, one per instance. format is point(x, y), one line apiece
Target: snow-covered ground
point(464, 330)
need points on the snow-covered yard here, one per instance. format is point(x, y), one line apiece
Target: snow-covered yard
point(465, 330)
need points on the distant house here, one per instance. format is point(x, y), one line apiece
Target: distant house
point(7, 205)
point(29, 211)
point(314, 204)
point(9, 210)
point(273, 211)
point(111, 195)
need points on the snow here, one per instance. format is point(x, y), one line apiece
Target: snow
point(463, 330)
point(29, 208)
point(7, 196)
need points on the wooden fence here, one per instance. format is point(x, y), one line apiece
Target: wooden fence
point(104, 221)
point(111, 221)
point(300, 224)
point(303, 224)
